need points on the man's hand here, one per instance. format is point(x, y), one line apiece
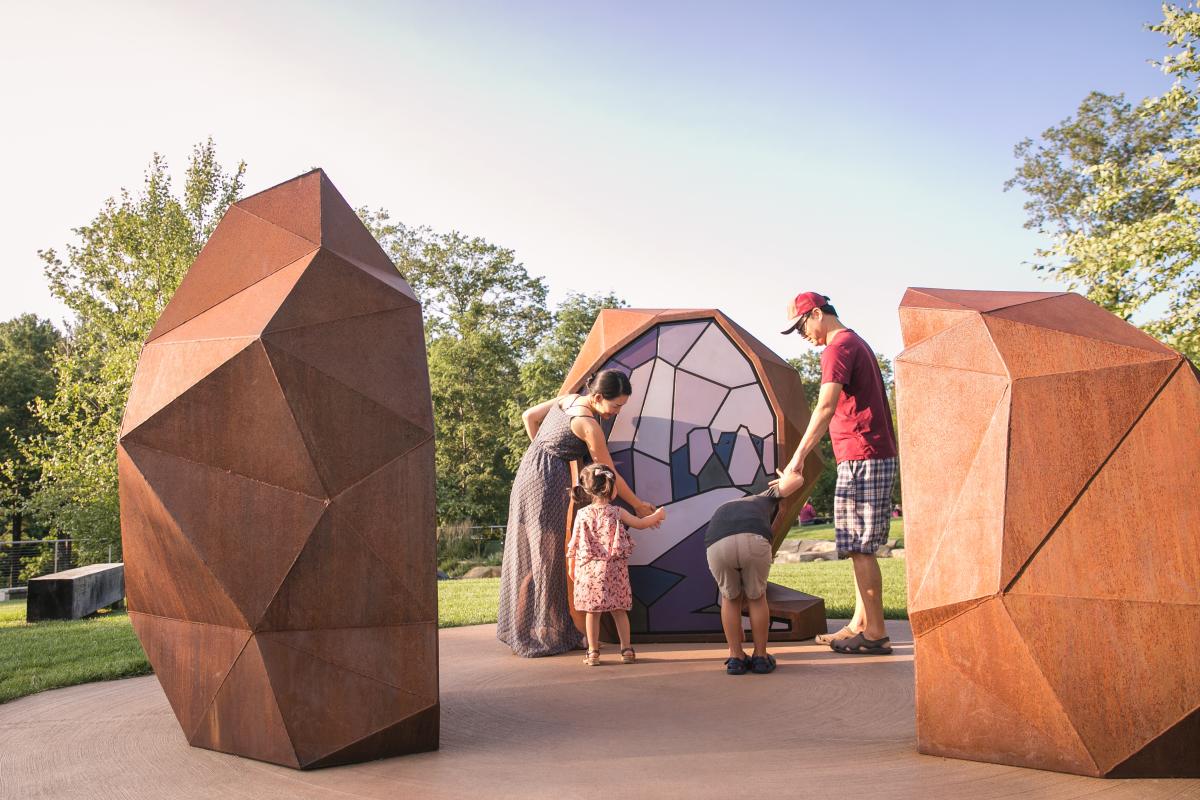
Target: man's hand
point(641, 508)
point(788, 482)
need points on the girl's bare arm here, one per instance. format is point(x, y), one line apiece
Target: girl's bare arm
point(641, 523)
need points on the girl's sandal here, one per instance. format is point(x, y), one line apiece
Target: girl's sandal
point(628, 656)
point(592, 659)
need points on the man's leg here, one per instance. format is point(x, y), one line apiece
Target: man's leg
point(731, 623)
point(868, 581)
point(856, 622)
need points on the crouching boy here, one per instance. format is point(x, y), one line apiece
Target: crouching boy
point(738, 543)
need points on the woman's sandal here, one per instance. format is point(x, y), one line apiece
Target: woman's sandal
point(859, 644)
point(630, 658)
point(592, 659)
point(830, 638)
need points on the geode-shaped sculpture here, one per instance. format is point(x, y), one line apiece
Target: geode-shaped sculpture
point(713, 411)
point(277, 491)
point(1049, 454)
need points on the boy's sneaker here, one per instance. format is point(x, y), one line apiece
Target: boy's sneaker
point(736, 666)
point(761, 665)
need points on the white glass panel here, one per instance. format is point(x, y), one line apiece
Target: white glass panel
point(746, 406)
point(714, 357)
point(683, 519)
point(743, 464)
point(674, 340)
point(696, 401)
point(653, 479)
point(621, 436)
point(654, 427)
point(700, 447)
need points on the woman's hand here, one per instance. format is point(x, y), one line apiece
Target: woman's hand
point(642, 508)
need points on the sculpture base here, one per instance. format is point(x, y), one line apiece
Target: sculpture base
point(795, 616)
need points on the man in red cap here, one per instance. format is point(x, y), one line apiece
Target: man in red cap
point(853, 406)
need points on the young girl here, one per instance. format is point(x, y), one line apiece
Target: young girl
point(598, 557)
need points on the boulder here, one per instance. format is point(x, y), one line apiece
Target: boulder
point(483, 572)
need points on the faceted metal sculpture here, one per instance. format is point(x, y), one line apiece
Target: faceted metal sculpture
point(277, 491)
point(1049, 455)
point(712, 412)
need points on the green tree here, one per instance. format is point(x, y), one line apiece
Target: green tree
point(1114, 187)
point(116, 279)
point(27, 348)
point(543, 373)
point(484, 315)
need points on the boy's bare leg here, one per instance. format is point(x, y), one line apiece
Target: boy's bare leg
point(731, 623)
point(621, 620)
point(760, 623)
point(593, 630)
point(868, 581)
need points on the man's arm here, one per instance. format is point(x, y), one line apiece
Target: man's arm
point(790, 477)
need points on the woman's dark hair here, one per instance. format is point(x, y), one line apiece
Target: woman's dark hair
point(829, 309)
point(609, 384)
point(595, 480)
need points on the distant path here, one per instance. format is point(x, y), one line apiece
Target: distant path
point(821, 726)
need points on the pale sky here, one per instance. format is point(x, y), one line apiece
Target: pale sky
point(678, 154)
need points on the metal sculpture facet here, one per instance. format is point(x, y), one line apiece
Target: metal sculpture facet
point(277, 491)
point(1049, 455)
point(712, 412)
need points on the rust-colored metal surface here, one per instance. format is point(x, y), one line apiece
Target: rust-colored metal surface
point(713, 414)
point(1049, 454)
point(277, 491)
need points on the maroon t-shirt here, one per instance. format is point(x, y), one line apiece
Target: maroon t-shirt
point(861, 427)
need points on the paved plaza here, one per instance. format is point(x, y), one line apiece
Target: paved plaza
point(671, 726)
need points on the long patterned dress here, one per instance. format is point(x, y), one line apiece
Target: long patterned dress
point(534, 618)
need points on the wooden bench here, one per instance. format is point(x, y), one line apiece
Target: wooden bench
point(75, 593)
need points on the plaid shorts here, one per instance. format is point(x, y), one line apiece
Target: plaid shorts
point(862, 504)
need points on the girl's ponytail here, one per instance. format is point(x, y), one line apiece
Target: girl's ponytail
point(595, 480)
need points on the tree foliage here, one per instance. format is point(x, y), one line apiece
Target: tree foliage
point(484, 315)
point(116, 279)
point(1114, 186)
point(544, 371)
point(27, 349)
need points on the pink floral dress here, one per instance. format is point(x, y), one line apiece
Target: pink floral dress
point(601, 546)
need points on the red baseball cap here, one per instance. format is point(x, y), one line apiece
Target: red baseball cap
point(800, 305)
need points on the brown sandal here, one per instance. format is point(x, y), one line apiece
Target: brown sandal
point(860, 645)
point(628, 659)
point(592, 658)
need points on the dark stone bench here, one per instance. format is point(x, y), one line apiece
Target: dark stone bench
point(75, 593)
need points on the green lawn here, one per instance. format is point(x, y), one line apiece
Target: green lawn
point(50, 655)
point(834, 581)
point(825, 532)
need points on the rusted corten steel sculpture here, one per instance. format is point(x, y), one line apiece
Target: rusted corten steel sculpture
point(713, 412)
point(1049, 455)
point(277, 491)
